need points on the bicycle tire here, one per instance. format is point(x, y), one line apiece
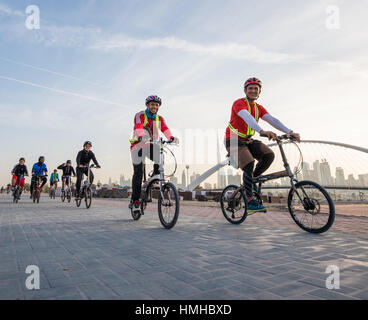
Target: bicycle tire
point(38, 197)
point(16, 196)
point(88, 198)
point(225, 205)
point(161, 204)
point(63, 196)
point(331, 211)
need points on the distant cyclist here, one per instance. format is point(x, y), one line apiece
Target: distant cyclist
point(19, 170)
point(39, 169)
point(152, 122)
point(68, 172)
point(84, 157)
point(243, 125)
point(54, 179)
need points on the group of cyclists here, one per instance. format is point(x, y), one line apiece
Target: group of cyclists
point(238, 140)
point(40, 171)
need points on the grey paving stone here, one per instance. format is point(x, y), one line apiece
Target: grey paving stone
point(102, 254)
point(292, 289)
point(330, 294)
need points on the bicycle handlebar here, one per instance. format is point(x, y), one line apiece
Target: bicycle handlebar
point(280, 138)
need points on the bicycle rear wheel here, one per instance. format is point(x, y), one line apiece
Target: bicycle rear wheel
point(233, 207)
point(168, 205)
point(38, 196)
point(88, 198)
point(311, 207)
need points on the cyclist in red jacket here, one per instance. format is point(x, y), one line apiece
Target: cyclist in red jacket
point(147, 125)
point(239, 142)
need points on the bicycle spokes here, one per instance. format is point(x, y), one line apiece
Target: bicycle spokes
point(311, 207)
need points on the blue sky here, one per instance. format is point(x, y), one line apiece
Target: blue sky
point(87, 70)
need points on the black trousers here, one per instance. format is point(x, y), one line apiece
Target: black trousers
point(34, 181)
point(138, 157)
point(80, 172)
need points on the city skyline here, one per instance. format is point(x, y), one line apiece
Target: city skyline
point(319, 172)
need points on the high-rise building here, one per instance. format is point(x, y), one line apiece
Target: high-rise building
point(363, 180)
point(340, 177)
point(317, 171)
point(183, 180)
point(326, 177)
point(306, 171)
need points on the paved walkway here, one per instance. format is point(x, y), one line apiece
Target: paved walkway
point(102, 254)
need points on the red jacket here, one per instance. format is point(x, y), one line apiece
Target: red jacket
point(154, 126)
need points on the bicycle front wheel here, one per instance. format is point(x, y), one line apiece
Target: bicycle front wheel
point(88, 198)
point(234, 205)
point(16, 196)
point(168, 205)
point(63, 196)
point(311, 207)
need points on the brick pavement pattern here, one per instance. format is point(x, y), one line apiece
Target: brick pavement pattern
point(102, 253)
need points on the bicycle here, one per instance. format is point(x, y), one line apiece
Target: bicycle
point(168, 194)
point(17, 192)
point(306, 199)
point(37, 190)
point(52, 192)
point(86, 191)
point(66, 193)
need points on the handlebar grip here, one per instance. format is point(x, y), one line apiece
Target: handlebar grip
point(263, 135)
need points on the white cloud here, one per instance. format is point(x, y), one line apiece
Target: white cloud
point(230, 50)
point(64, 92)
point(5, 10)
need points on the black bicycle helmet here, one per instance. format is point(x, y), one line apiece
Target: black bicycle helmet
point(87, 142)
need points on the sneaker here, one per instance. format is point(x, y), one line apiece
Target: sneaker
point(137, 206)
point(255, 206)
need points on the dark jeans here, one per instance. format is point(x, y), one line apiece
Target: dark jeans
point(138, 169)
point(34, 182)
point(80, 172)
point(247, 152)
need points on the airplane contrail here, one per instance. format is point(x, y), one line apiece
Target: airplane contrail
point(48, 71)
point(62, 91)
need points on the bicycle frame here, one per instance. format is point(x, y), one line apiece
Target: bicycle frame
point(275, 175)
point(280, 174)
point(88, 184)
point(161, 180)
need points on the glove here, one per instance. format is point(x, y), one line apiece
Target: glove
point(174, 140)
